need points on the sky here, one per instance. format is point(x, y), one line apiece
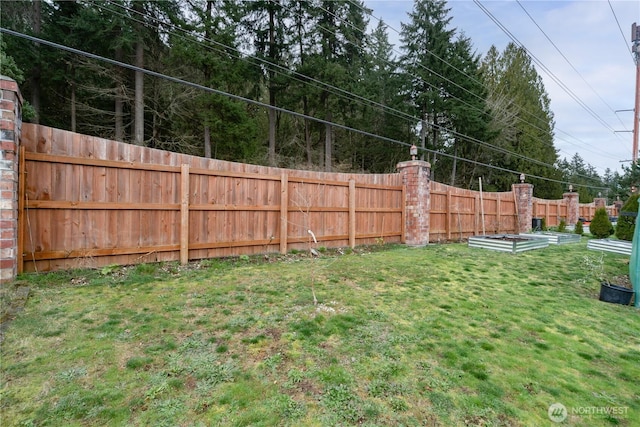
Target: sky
point(584, 48)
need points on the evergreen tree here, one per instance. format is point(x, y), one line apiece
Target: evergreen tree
point(266, 23)
point(583, 176)
point(627, 219)
point(426, 42)
point(523, 120)
point(209, 54)
point(382, 83)
point(600, 226)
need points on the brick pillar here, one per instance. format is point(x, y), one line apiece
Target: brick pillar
point(600, 202)
point(416, 179)
point(10, 125)
point(618, 205)
point(573, 207)
point(524, 206)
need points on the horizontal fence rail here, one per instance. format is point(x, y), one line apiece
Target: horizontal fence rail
point(457, 214)
point(81, 210)
point(89, 202)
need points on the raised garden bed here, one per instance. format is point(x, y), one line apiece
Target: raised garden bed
point(609, 245)
point(554, 238)
point(513, 243)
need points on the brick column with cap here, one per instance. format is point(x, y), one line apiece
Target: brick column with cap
point(417, 182)
point(573, 207)
point(524, 206)
point(600, 202)
point(10, 125)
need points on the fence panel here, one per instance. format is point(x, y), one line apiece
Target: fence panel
point(457, 214)
point(90, 202)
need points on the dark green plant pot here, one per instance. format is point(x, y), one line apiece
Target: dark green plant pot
point(615, 294)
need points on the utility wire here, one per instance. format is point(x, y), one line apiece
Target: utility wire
point(567, 59)
point(261, 104)
point(583, 145)
point(471, 139)
point(350, 96)
point(621, 32)
point(543, 66)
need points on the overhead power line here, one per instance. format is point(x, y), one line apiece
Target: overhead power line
point(584, 146)
point(305, 79)
point(559, 82)
point(566, 59)
point(624, 39)
point(261, 104)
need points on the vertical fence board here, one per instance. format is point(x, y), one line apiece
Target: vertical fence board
point(184, 214)
point(352, 213)
point(225, 209)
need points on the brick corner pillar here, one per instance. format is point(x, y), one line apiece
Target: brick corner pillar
point(10, 126)
point(618, 206)
point(573, 207)
point(524, 206)
point(600, 202)
point(417, 182)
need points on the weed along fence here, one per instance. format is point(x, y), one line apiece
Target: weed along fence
point(93, 202)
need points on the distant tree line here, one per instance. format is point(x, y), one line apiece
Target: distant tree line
point(471, 116)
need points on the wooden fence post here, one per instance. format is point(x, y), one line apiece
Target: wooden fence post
point(184, 214)
point(447, 218)
point(284, 212)
point(498, 209)
point(352, 214)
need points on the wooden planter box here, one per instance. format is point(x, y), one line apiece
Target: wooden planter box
point(513, 243)
point(554, 238)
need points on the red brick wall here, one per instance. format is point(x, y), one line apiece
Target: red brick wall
point(10, 123)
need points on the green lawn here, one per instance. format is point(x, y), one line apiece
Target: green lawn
point(440, 336)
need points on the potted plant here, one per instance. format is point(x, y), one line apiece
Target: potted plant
point(617, 290)
point(617, 293)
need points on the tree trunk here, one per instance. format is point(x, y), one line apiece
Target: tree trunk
point(36, 71)
point(455, 162)
point(272, 90)
point(139, 85)
point(423, 135)
point(328, 143)
point(272, 133)
point(307, 138)
point(139, 97)
point(73, 106)
point(119, 98)
point(207, 141)
point(207, 78)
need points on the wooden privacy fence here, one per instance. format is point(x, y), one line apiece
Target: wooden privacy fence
point(588, 210)
point(457, 214)
point(553, 211)
point(92, 202)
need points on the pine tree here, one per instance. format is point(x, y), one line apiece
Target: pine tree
point(627, 220)
point(426, 41)
point(600, 226)
point(522, 119)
